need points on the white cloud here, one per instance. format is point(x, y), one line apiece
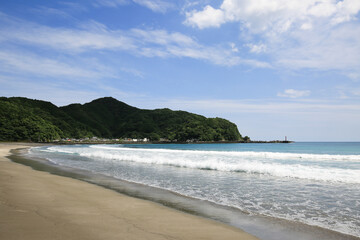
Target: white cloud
point(324, 49)
point(133, 72)
point(154, 5)
point(94, 36)
point(356, 92)
point(209, 17)
point(110, 3)
point(314, 120)
point(52, 12)
point(347, 10)
point(21, 62)
point(261, 106)
point(162, 37)
point(233, 47)
point(256, 48)
point(322, 9)
point(292, 93)
point(160, 43)
point(275, 15)
point(306, 26)
point(354, 76)
point(346, 91)
point(62, 92)
point(59, 96)
point(297, 34)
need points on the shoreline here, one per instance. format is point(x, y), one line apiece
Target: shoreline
point(40, 205)
point(72, 142)
point(112, 141)
point(263, 227)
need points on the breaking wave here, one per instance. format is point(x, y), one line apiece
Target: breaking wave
point(320, 167)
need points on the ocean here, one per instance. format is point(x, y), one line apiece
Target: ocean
point(270, 190)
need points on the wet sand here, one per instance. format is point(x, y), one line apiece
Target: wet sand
point(39, 205)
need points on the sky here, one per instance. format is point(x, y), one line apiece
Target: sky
point(275, 68)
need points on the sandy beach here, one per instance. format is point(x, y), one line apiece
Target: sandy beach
point(39, 205)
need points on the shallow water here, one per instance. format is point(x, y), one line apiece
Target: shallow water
point(316, 184)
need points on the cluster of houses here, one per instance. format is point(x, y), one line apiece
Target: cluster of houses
point(135, 140)
point(100, 140)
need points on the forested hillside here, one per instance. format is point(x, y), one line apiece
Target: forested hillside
point(39, 121)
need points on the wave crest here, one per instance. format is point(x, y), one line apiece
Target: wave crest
point(322, 167)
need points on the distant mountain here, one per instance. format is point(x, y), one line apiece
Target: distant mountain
point(39, 121)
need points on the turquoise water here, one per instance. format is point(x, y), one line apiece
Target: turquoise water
point(316, 184)
point(348, 148)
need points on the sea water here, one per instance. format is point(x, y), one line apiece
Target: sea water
point(316, 184)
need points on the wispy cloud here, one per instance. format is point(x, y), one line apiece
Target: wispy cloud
point(356, 92)
point(161, 43)
point(21, 62)
point(110, 3)
point(47, 11)
point(292, 93)
point(61, 92)
point(76, 40)
point(60, 95)
point(133, 72)
point(256, 48)
point(326, 48)
point(313, 120)
point(93, 36)
point(154, 5)
point(73, 6)
point(347, 92)
point(354, 76)
point(224, 107)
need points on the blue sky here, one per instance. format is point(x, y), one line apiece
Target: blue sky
point(275, 68)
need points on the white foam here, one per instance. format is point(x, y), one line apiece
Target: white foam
point(248, 162)
point(249, 154)
point(316, 201)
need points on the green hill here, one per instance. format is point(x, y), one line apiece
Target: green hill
point(34, 120)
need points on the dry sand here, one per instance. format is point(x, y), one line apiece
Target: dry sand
point(38, 205)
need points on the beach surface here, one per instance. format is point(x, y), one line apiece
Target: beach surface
point(39, 205)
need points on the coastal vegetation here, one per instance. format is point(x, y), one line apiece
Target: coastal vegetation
point(23, 119)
